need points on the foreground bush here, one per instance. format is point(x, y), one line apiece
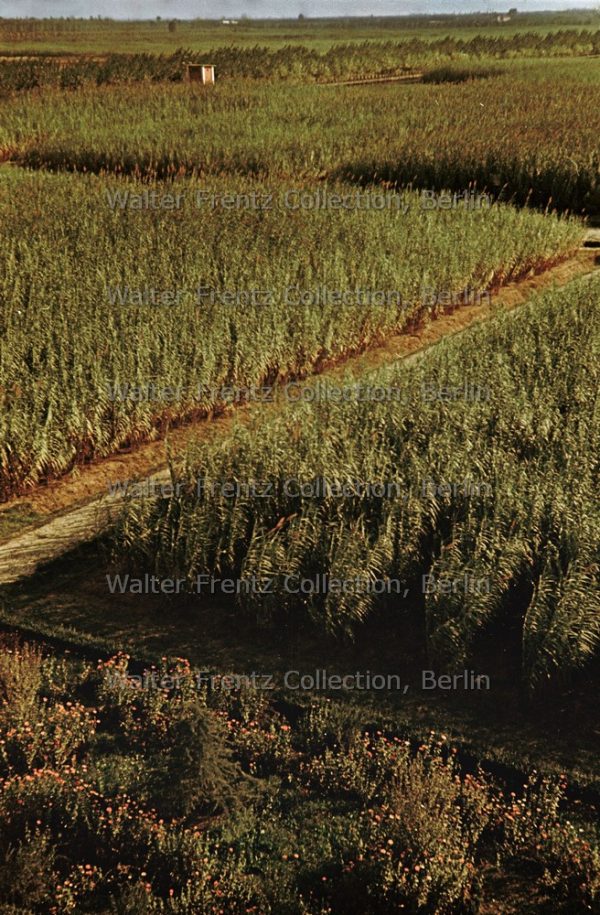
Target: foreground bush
point(367, 825)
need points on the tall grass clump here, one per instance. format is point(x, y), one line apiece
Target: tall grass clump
point(487, 513)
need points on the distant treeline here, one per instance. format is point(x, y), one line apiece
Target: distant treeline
point(69, 25)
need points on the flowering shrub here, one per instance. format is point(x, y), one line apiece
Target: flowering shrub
point(145, 714)
point(33, 731)
point(326, 724)
point(28, 876)
point(346, 821)
point(263, 750)
point(20, 680)
point(427, 838)
point(565, 854)
point(53, 735)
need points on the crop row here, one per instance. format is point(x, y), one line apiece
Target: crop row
point(104, 306)
point(491, 491)
point(292, 62)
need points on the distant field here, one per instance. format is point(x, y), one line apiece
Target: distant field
point(517, 131)
point(94, 36)
point(292, 62)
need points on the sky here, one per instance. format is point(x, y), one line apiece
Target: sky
point(215, 9)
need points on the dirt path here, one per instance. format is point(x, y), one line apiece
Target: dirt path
point(77, 508)
point(22, 555)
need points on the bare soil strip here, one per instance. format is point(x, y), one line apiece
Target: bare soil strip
point(20, 557)
point(79, 507)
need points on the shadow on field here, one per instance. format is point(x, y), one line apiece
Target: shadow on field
point(68, 605)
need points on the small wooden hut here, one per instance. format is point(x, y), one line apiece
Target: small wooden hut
point(200, 73)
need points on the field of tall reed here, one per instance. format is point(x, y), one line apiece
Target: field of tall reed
point(469, 478)
point(122, 313)
point(517, 134)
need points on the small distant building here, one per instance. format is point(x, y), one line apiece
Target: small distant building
point(200, 73)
